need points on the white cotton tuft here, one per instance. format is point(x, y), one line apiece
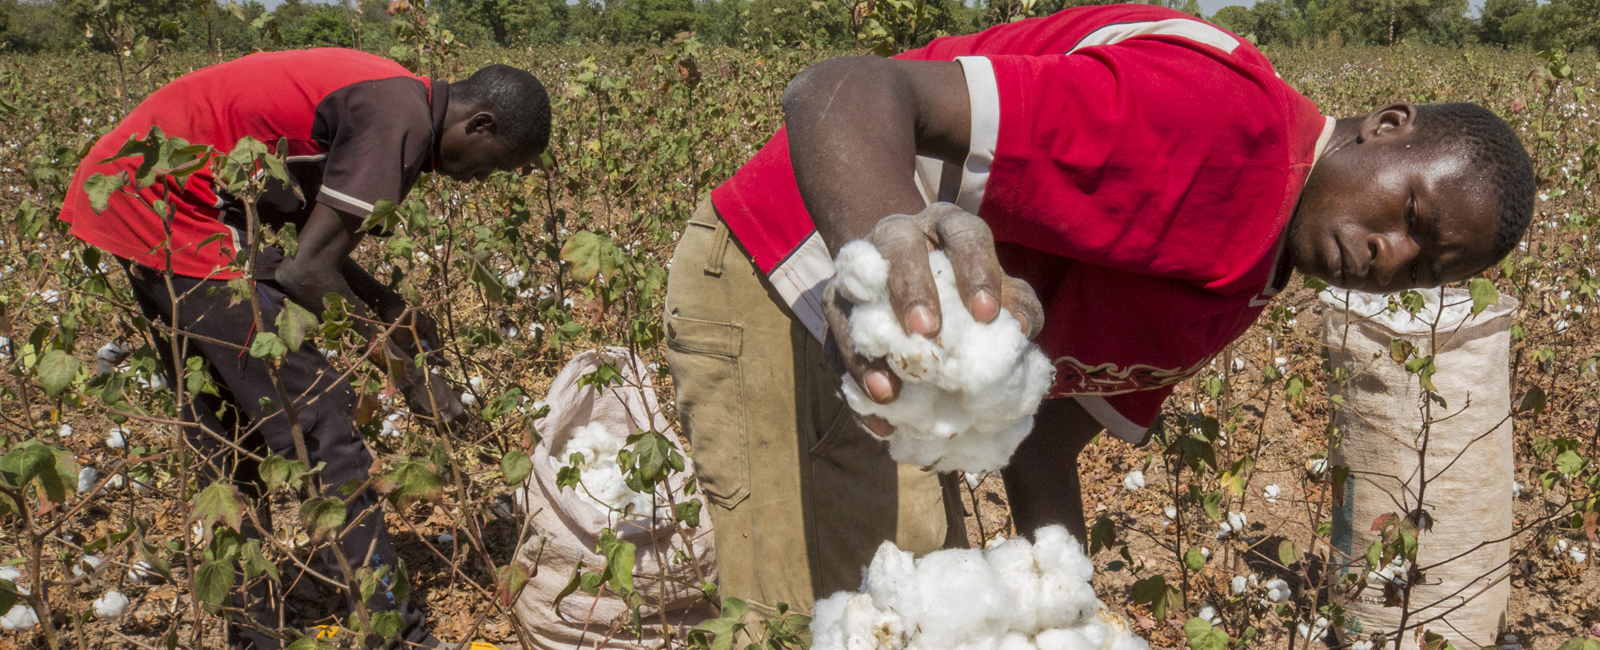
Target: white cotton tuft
point(1277, 590)
point(1271, 493)
point(468, 399)
point(968, 396)
point(87, 477)
point(65, 431)
point(446, 538)
point(1375, 307)
point(90, 561)
point(140, 572)
point(117, 437)
point(1238, 585)
point(10, 574)
point(600, 480)
point(111, 606)
point(1134, 481)
point(20, 619)
point(1014, 595)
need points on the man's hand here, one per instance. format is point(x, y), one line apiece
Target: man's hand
point(416, 333)
point(905, 241)
point(430, 396)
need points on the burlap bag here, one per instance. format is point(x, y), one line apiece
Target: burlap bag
point(1468, 462)
point(566, 528)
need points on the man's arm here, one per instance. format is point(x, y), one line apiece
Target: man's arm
point(855, 127)
point(384, 303)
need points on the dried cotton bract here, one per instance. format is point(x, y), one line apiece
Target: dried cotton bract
point(1011, 596)
point(968, 396)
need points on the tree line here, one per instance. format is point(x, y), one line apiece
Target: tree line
point(885, 26)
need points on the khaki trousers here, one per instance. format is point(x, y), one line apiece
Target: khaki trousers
point(801, 495)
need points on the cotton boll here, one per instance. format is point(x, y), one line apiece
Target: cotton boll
point(959, 599)
point(65, 431)
point(891, 579)
point(446, 538)
point(1376, 308)
point(1277, 590)
point(87, 477)
point(972, 479)
point(20, 619)
point(10, 574)
point(1238, 585)
point(863, 621)
point(1209, 614)
point(140, 572)
point(468, 399)
point(1014, 641)
point(1134, 481)
point(1013, 560)
point(111, 606)
point(1064, 640)
point(1516, 490)
point(827, 622)
point(968, 396)
point(475, 382)
point(116, 438)
point(1365, 645)
point(86, 565)
point(115, 482)
point(1271, 493)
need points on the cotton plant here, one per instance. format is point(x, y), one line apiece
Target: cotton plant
point(968, 396)
point(590, 456)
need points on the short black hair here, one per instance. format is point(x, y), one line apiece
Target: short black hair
point(1494, 152)
point(520, 105)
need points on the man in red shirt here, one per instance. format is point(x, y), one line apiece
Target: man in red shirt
point(359, 129)
point(1133, 183)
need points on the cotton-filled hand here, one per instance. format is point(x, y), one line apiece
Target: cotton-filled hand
point(905, 241)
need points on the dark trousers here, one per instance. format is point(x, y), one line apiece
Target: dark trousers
point(246, 412)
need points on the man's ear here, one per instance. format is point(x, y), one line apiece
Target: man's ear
point(481, 122)
point(1390, 121)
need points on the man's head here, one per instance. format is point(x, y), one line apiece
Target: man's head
point(498, 119)
point(1413, 196)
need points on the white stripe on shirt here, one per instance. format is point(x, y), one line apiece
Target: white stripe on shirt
point(800, 280)
point(341, 196)
point(983, 96)
point(1193, 30)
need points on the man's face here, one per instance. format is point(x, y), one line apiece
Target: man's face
point(470, 151)
point(1381, 215)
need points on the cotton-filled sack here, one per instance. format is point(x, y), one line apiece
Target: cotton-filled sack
point(566, 526)
point(1381, 421)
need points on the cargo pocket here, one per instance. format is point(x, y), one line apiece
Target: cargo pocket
point(704, 357)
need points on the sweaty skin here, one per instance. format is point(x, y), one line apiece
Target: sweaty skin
point(468, 151)
point(1379, 212)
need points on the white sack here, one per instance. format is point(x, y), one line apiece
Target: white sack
point(1381, 421)
point(566, 527)
point(968, 396)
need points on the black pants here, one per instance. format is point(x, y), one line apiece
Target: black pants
point(248, 402)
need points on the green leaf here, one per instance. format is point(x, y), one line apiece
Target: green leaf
point(725, 626)
point(8, 595)
point(267, 345)
point(591, 255)
point(1212, 504)
point(1287, 553)
point(387, 623)
point(219, 502)
point(1483, 294)
point(57, 370)
point(277, 471)
point(410, 480)
point(653, 456)
point(571, 588)
point(255, 563)
point(1532, 401)
point(294, 323)
point(688, 513)
point(384, 217)
point(515, 466)
point(100, 187)
point(1103, 535)
point(1202, 636)
point(322, 516)
point(212, 582)
point(619, 562)
point(1581, 644)
point(1194, 559)
point(1570, 463)
point(510, 577)
point(24, 462)
point(1154, 592)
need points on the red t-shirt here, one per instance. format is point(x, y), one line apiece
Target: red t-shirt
point(1138, 168)
point(359, 128)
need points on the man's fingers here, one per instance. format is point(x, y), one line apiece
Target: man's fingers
point(903, 241)
point(1019, 299)
point(872, 375)
point(969, 244)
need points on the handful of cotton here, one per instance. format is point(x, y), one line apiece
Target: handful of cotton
point(601, 481)
point(1012, 596)
point(967, 397)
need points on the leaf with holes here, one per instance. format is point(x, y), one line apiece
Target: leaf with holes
point(590, 255)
